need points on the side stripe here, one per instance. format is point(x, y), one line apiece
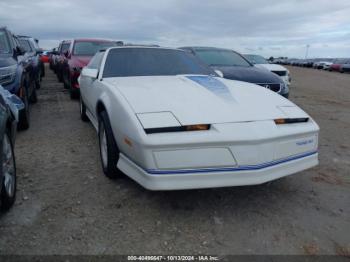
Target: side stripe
point(230, 169)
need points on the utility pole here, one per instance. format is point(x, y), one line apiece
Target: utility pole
point(307, 50)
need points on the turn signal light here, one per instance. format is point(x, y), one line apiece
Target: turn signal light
point(282, 121)
point(177, 129)
point(197, 127)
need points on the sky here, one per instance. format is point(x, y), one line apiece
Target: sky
point(269, 28)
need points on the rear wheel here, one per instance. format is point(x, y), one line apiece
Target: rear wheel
point(59, 75)
point(66, 82)
point(38, 80)
point(8, 170)
point(109, 151)
point(83, 115)
point(33, 96)
point(24, 114)
point(74, 93)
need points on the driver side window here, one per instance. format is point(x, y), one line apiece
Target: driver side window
point(96, 61)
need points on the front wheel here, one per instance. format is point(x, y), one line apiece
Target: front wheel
point(83, 115)
point(109, 151)
point(8, 170)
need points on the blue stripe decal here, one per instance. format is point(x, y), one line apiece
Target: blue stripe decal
point(213, 85)
point(229, 169)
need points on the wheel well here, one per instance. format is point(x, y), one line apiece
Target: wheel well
point(9, 126)
point(100, 107)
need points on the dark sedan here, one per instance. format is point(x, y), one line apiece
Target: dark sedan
point(234, 66)
point(9, 108)
point(345, 68)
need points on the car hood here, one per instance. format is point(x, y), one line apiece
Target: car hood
point(271, 67)
point(80, 61)
point(249, 74)
point(6, 60)
point(201, 99)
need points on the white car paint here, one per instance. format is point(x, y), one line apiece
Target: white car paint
point(244, 146)
point(278, 69)
point(327, 65)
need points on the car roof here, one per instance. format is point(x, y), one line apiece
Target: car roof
point(143, 47)
point(205, 48)
point(92, 40)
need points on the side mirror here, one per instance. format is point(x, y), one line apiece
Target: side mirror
point(20, 51)
point(219, 73)
point(89, 72)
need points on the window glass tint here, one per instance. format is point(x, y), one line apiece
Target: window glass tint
point(219, 57)
point(256, 59)
point(25, 44)
point(90, 48)
point(64, 47)
point(96, 61)
point(152, 62)
point(4, 43)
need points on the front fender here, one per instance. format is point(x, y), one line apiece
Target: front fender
point(124, 123)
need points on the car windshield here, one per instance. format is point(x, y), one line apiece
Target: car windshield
point(122, 62)
point(85, 48)
point(256, 59)
point(64, 47)
point(220, 57)
point(25, 44)
point(4, 43)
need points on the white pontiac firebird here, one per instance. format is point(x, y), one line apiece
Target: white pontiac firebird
point(169, 122)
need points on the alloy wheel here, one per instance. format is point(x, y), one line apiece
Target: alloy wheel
point(8, 167)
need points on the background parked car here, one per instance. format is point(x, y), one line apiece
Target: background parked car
point(327, 65)
point(261, 62)
point(33, 58)
point(234, 66)
point(76, 57)
point(9, 107)
point(345, 68)
point(59, 58)
point(45, 57)
point(336, 65)
point(15, 74)
point(320, 64)
point(52, 54)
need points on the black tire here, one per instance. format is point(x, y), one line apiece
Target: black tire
point(42, 71)
point(7, 198)
point(109, 155)
point(24, 114)
point(59, 76)
point(66, 83)
point(34, 97)
point(38, 80)
point(74, 93)
point(82, 106)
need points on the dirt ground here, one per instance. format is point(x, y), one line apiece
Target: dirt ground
point(66, 206)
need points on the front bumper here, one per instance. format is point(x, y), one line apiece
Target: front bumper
point(229, 154)
point(212, 178)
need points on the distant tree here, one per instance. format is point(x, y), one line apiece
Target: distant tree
point(271, 58)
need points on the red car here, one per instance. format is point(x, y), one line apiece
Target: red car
point(76, 57)
point(44, 57)
point(336, 66)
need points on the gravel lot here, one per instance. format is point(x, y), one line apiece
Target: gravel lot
point(66, 206)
